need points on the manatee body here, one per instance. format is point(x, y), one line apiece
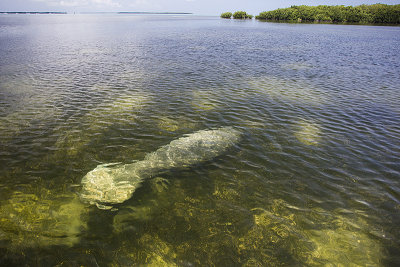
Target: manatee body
point(115, 183)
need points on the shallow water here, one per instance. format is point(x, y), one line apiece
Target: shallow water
point(314, 180)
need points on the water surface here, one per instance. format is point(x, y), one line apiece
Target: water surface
point(314, 180)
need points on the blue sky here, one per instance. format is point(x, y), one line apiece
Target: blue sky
point(201, 7)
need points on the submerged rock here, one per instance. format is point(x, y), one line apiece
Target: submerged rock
point(308, 133)
point(115, 183)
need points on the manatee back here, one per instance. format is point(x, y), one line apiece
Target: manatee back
point(195, 148)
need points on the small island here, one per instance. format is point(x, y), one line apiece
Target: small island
point(377, 13)
point(365, 14)
point(236, 15)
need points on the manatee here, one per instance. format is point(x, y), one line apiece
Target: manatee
point(115, 183)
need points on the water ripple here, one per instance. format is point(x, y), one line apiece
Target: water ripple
point(317, 165)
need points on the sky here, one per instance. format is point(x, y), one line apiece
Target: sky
point(199, 7)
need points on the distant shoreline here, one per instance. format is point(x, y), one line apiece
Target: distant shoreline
point(45, 13)
point(30, 12)
point(161, 13)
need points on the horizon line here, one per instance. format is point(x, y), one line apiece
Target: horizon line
point(93, 12)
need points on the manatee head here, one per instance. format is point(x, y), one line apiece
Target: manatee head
point(108, 183)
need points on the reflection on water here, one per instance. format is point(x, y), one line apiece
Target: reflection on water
point(313, 181)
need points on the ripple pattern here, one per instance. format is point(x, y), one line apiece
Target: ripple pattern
point(314, 181)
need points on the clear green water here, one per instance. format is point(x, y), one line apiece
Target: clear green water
point(314, 181)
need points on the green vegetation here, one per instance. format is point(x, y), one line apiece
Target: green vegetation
point(236, 15)
point(242, 15)
point(226, 15)
point(377, 13)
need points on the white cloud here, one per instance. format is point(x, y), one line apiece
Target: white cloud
point(106, 3)
point(145, 4)
point(81, 3)
point(72, 3)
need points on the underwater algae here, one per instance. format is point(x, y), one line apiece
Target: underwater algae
point(345, 240)
point(42, 218)
point(216, 230)
point(275, 235)
point(203, 100)
point(168, 124)
point(172, 210)
point(149, 250)
point(220, 229)
point(337, 240)
point(174, 124)
point(115, 183)
point(127, 216)
point(296, 66)
point(288, 90)
point(30, 110)
point(122, 109)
